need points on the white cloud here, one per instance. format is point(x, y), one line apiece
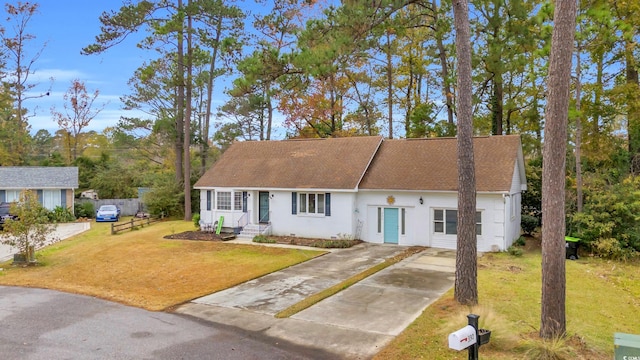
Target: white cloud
point(58, 75)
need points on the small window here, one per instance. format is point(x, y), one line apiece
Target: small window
point(237, 200)
point(320, 198)
point(209, 200)
point(379, 220)
point(446, 222)
point(438, 221)
point(303, 203)
point(312, 203)
point(402, 221)
point(451, 221)
point(224, 200)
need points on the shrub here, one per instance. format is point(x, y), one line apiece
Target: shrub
point(552, 349)
point(520, 241)
point(32, 230)
point(84, 210)
point(528, 223)
point(165, 197)
point(334, 244)
point(609, 225)
point(263, 239)
point(60, 215)
point(514, 251)
point(611, 249)
point(196, 220)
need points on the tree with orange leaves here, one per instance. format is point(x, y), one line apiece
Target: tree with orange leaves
point(76, 116)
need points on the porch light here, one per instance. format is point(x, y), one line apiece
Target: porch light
point(421, 201)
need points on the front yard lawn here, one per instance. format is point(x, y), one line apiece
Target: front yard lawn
point(141, 268)
point(602, 297)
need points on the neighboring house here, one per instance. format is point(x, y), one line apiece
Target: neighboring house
point(54, 185)
point(381, 191)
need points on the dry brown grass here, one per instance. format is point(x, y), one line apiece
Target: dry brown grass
point(142, 269)
point(601, 298)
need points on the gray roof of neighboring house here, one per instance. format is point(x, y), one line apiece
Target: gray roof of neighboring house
point(38, 177)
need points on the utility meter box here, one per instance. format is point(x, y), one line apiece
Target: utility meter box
point(627, 346)
point(463, 338)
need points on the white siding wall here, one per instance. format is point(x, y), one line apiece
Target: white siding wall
point(419, 218)
point(416, 228)
point(340, 223)
point(514, 209)
point(205, 216)
point(231, 217)
point(499, 227)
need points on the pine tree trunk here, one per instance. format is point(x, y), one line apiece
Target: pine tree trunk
point(389, 85)
point(466, 283)
point(578, 132)
point(187, 121)
point(633, 111)
point(442, 53)
point(179, 121)
point(553, 321)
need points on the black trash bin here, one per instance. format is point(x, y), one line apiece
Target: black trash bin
point(572, 247)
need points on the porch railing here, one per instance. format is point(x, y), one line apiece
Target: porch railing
point(244, 219)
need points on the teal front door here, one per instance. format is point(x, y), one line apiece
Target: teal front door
point(390, 226)
point(263, 207)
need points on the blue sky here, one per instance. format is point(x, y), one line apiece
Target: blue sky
point(64, 27)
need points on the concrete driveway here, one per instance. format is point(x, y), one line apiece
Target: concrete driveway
point(353, 324)
point(61, 232)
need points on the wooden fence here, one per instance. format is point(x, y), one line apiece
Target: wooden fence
point(132, 224)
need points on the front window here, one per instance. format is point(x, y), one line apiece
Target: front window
point(12, 196)
point(446, 222)
point(223, 200)
point(51, 199)
point(237, 200)
point(312, 203)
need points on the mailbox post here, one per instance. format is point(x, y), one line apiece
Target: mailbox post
point(469, 337)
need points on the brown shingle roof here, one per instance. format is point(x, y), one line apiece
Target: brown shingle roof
point(431, 164)
point(336, 163)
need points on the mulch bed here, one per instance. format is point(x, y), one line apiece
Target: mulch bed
point(208, 236)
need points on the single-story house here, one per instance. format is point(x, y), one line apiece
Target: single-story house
point(400, 191)
point(55, 186)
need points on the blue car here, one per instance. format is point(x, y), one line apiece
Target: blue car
point(108, 213)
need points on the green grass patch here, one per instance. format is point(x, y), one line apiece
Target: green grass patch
point(602, 297)
point(319, 296)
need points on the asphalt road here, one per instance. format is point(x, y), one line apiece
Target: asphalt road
point(45, 324)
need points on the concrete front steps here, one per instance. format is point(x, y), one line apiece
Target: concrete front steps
point(251, 230)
